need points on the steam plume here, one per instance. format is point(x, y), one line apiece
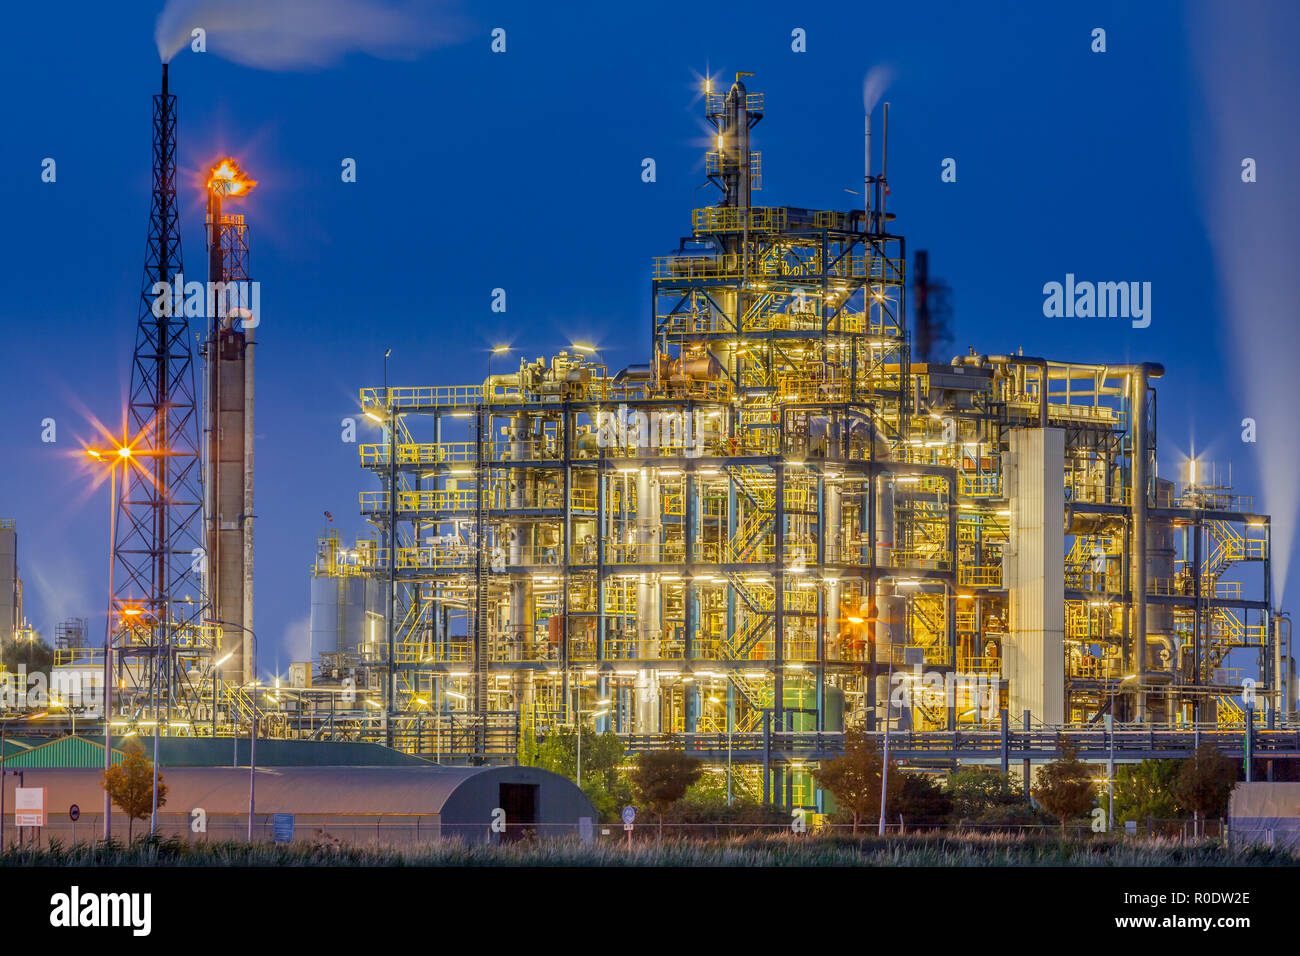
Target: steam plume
point(1249, 74)
point(307, 34)
point(874, 85)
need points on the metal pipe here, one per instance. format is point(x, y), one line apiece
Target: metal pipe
point(1025, 361)
point(1138, 431)
point(866, 179)
point(108, 641)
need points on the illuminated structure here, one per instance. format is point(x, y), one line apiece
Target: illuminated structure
point(228, 429)
point(11, 585)
point(157, 599)
point(757, 538)
point(779, 516)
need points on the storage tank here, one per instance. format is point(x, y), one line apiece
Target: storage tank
point(801, 705)
point(345, 613)
point(324, 616)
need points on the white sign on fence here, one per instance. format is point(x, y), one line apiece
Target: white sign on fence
point(29, 806)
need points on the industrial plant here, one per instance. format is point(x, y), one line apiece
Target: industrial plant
point(783, 523)
point(780, 518)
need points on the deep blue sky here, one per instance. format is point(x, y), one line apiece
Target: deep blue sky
point(522, 171)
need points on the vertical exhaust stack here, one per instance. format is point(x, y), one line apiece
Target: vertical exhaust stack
point(232, 305)
point(866, 177)
point(732, 166)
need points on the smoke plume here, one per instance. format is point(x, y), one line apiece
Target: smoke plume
point(307, 34)
point(874, 85)
point(1249, 75)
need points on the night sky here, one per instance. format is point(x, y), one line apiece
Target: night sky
point(522, 171)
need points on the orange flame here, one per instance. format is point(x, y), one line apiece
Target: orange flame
point(228, 179)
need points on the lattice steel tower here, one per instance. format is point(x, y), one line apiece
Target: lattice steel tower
point(156, 549)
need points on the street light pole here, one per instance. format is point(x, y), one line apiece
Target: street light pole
point(108, 644)
point(157, 705)
point(581, 712)
point(884, 760)
point(1110, 764)
point(726, 716)
point(120, 454)
point(729, 728)
point(252, 732)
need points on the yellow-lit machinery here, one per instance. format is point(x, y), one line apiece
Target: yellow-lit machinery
point(780, 525)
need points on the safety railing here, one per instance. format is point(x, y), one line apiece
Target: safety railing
point(735, 219)
point(422, 396)
point(979, 486)
point(716, 102)
point(979, 575)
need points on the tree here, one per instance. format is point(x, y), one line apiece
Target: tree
point(602, 755)
point(1065, 786)
point(130, 786)
point(1205, 782)
point(918, 798)
point(528, 749)
point(974, 789)
point(1146, 789)
point(35, 656)
point(985, 795)
point(705, 807)
point(853, 778)
point(662, 777)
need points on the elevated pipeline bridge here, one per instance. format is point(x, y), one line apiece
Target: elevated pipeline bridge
point(977, 746)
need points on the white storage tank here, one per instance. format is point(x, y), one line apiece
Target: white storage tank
point(346, 612)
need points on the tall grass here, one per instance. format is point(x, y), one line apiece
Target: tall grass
point(770, 851)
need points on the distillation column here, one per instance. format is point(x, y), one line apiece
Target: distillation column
point(891, 607)
point(518, 535)
point(1033, 659)
point(647, 599)
point(733, 148)
point(832, 552)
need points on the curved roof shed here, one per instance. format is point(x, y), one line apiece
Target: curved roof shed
point(354, 804)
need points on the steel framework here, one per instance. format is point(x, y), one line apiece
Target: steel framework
point(779, 521)
point(158, 598)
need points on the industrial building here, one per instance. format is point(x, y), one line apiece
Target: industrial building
point(11, 585)
point(780, 519)
point(783, 523)
point(1265, 813)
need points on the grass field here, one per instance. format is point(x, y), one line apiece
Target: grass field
point(769, 851)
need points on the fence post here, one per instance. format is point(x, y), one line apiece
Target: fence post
point(1006, 743)
point(1025, 770)
point(767, 756)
